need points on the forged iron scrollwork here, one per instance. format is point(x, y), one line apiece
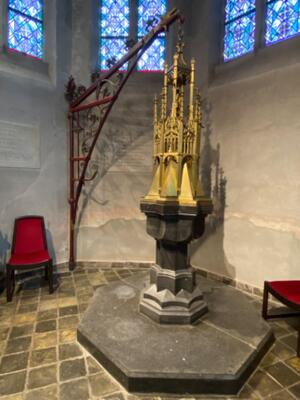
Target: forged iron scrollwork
point(89, 109)
point(86, 124)
point(73, 91)
point(106, 87)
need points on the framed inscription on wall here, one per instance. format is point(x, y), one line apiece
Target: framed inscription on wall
point(19, 145)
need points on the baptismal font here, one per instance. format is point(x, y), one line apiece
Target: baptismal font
point(175, 206)
point(125, 325)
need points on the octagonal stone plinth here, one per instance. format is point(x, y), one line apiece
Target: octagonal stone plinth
point(166, 308)
point(173, 297)
point(214, 356)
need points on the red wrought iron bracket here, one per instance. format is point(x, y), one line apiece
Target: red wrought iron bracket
point(87, 105)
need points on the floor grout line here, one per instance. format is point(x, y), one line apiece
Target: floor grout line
point(83, 295)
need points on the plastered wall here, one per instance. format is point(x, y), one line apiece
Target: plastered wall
point(254, 117)
point(111, 226)
point(31, 93)
point(251, 131)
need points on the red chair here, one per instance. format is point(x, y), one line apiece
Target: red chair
point(29, 250)
point(288, 293)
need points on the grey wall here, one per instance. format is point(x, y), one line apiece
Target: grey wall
point(251, 130)
point(254, 116)
point(111, 226)
point(32, 94)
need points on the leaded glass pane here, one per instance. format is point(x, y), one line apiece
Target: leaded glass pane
point(114, 28)
point(283, 20)
point(32, 8)
point(25, 27)
point(236, 8)
point(115, 18)
point(153, 59)
point(111, 51)
point(239, 37)
point(149, 12)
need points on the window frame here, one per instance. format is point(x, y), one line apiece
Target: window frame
point(267, 2)
point(133, 34)
point(99, 61)
point(235, 19)
point(260, 30)
point(16, 62)
point(42, 22)
point(162, 36)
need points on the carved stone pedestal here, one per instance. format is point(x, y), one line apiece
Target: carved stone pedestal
point(173, 297)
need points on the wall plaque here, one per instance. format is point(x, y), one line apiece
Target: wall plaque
point(19, 145)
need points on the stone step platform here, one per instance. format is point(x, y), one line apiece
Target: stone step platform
point(214, 356)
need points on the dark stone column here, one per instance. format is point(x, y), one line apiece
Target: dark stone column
point(173, 297)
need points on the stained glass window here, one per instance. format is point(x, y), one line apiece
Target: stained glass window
point(114, 28)
point(283, 20)
point(25, 26)
point(239, 37)
point(149, 13)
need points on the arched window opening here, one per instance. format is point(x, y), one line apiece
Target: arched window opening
point(125, 21)
point(25, 27)
point(150, 11)
point(114, 31)
point(246, 29)
point(240, 21)
point(282, 20)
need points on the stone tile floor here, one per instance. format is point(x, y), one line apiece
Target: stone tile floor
point(40, 358)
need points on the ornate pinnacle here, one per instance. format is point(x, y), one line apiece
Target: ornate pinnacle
point(155, 111)
point(192, 89)
point(175, 82)
point(164, 96)
point(177, 136)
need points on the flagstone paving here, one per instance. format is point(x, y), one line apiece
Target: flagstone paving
point(41, 359)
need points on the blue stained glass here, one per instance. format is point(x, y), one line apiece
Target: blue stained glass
point(239, 37)
point(32, 8)
point(283, 20)
point(154, 58)
point(112, 49)
point(114, 28)
point(115, 18)
point(236, 8)
point(149, 13)
point(25, 26)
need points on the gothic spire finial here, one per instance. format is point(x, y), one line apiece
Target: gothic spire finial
point(177, 136)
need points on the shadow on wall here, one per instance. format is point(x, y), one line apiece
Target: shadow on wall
point(111, 147)
point(208, 251)
point(113, 168)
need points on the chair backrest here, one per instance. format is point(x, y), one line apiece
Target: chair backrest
point(29, 235)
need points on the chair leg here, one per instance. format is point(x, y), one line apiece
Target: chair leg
point(298, 344)
point(50, 276)
point(13, 278)
point(9, 284)
point(265, 301)
point(46, 272)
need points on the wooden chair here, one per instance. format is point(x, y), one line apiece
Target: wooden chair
point(29, 250)
point(288, 293)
